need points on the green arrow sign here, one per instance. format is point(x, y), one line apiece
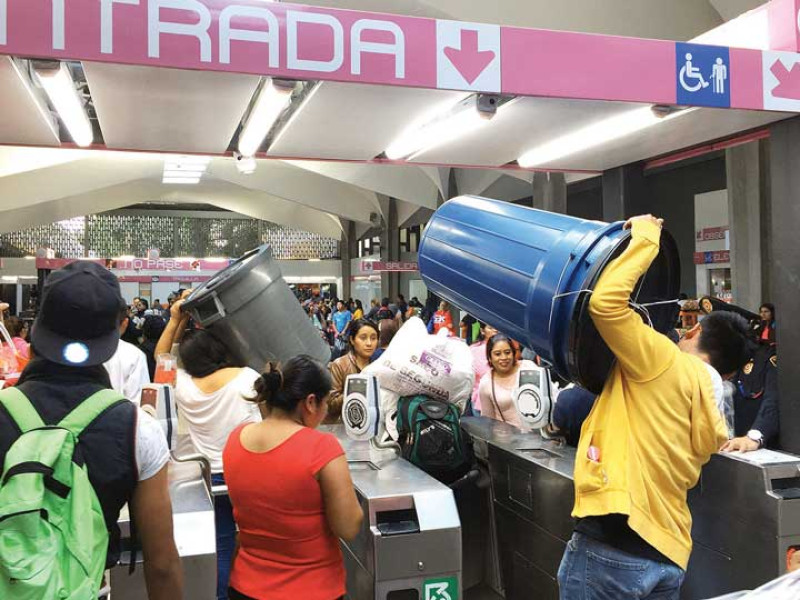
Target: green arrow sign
point(441, 589)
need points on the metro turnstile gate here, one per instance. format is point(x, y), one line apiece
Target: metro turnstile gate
point(193, 523)
point(745, 515)
point(409, 546)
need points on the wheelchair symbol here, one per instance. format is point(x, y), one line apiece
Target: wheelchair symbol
point(691, 73)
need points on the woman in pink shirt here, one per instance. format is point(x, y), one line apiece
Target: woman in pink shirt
point(479, 363)
point(18, 330)
point(496, 386)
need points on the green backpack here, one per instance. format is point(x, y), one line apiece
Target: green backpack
point(53, 537)
point(431, 437)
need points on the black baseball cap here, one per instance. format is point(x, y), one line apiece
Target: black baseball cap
point(78, 320)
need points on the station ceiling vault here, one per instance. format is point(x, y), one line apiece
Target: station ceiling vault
point(326, 165)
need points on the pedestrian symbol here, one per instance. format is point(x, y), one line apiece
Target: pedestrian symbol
point(703, 75)
point(441, 589)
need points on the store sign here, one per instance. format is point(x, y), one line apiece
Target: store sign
point(370, 266)
point(162, 279)
point(707, 258)
point(140, 264)
point(308, 42)
point(711, 234)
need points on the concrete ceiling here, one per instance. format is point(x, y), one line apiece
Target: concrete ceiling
point(730, 9)
point(146, 110)
point(657, 19)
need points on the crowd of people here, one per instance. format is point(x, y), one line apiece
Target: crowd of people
point(249, 423)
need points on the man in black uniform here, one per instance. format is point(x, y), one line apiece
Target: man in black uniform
point(755, 401)
point(756, 416)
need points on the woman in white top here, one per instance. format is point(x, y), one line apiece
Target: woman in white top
point(211, 391)
point(496, 386)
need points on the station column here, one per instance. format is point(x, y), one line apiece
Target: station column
point(348, 251)
point(784, 246)
point(550, 192)
point(623, 192)
point(390, 246)
point(748, 210)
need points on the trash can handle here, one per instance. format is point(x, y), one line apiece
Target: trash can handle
point(201, 309)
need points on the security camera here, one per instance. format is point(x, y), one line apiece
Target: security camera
point(246, 165)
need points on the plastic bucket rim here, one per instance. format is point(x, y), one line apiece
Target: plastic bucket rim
point(231, 273)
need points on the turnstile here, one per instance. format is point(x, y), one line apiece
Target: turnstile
point(409, 546)
point(193, 523)
point(533, 497)
point(746, 513)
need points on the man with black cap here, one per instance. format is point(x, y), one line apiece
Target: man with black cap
point(124, 449)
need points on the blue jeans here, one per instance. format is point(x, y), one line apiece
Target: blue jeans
point(226, 538)
point(591, 570)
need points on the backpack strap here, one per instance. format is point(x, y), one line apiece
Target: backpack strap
point(87, 411)
point(21, 410)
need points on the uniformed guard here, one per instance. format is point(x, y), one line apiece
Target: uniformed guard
point(755, 401)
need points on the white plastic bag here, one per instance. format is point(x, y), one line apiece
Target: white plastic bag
point(419, 363)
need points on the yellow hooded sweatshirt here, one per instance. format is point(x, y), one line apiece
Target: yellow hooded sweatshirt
point(656, 422)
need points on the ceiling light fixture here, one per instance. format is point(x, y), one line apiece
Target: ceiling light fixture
point(444, 126)
point(595, 135)
point(57, 83)
point(181, 180)
point(273, 98)
point(186, 170)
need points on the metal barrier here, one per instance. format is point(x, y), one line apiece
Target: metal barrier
point(409, 547)
point(746, 512)
point(193, 522)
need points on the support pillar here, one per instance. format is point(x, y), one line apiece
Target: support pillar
point(782, 239)
point(550, 192)
point(390, 247)
point(623, 192)
point(743, 167)
point(348, 251)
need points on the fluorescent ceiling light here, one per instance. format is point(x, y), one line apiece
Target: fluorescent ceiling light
point(186, 170)
point(187, 162)
point(179, 173)
point(181, 180)
point(447, 125)
point(271, 101)
point(59, 87)
point(594, 135)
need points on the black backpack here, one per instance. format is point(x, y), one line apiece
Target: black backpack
point(431, 437)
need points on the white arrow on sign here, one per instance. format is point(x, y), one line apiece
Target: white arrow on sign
point(439, 591)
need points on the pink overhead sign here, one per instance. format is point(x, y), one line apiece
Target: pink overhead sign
point(313, 43)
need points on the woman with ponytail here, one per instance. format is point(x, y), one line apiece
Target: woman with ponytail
point(210, 392)
point(291, 491)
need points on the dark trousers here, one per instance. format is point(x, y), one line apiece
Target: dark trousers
point(226, 538)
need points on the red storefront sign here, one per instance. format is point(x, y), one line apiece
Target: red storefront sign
point(710, 234)
point(369, 266)
point(140, 264)
point(707, 258)
point(162, 279)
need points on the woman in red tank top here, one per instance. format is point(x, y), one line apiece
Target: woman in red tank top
point(291, 492)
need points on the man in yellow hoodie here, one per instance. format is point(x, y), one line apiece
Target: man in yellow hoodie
point(656, 423)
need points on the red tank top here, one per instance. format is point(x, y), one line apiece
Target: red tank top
point(286, 549)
